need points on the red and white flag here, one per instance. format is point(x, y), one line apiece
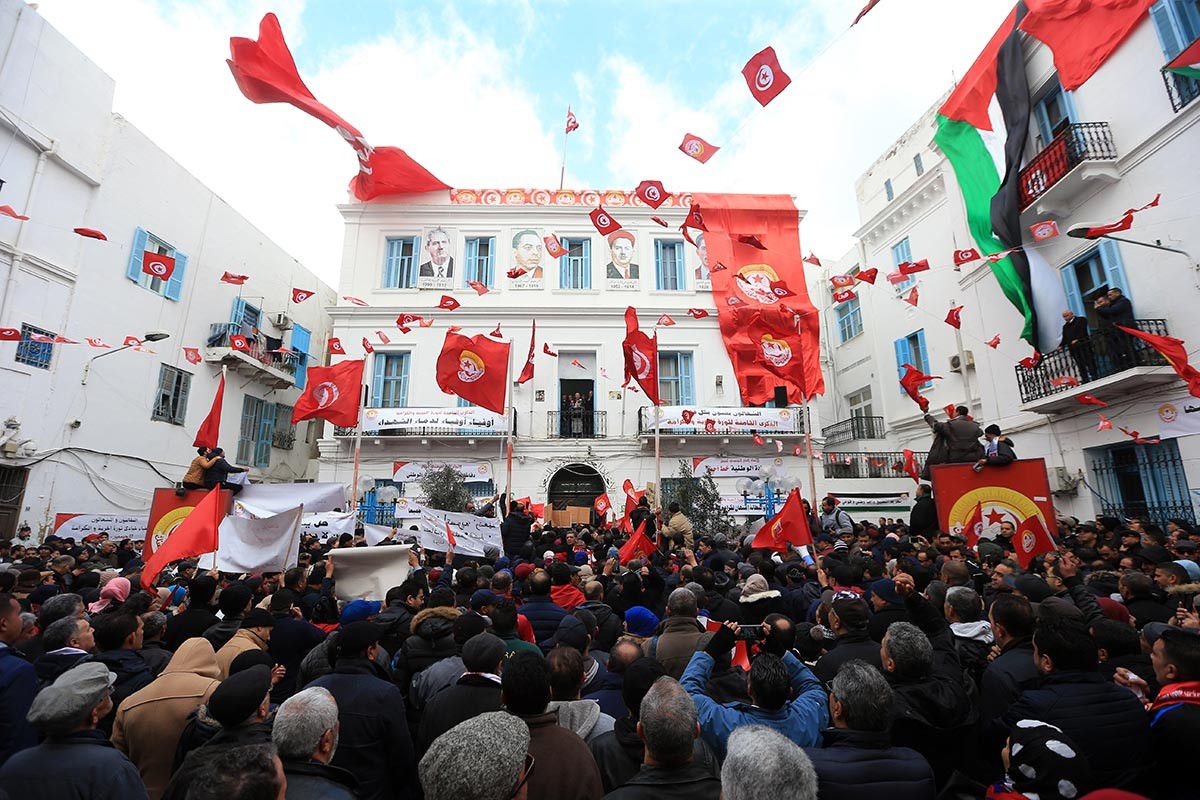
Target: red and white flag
point(383, 337)
point(1044, 230)
point(239, 342)
point(954, 317)
point(546, 349)
point(779, 445)
point(425, 322)
point(764, 77)
point(406, 319)
point(9, 211)
point(101, 343)
point(332, 393)
point(300, 295)
point(966, 256)
point(572, 123)
point(60, 339)
point(844, 296)
point(1124, 223)
point(910, 465)
point(480, 288)
point(797, 450)
point(1032, 539)
point(159, 266)
point(1064, 381)
point(527, 371)
point(209, 432)
point(516, 272)
point(913, 267)
point(447, 302)
point(993, 342)
point(191, 354)
point(641, 356)
point(474, 368)
point(450, 533)
point(91, 233)
point(866, 10)
point(912, 297)
point(697, 148)
point(651, 193)
point(758, 440)
point(867, 275)
point(235, 279)
point(812, 259)
point(660, 221)
point(665, 321)
point(697, 313)
point(554, 247)
point(366, 343)
point(576, 363)
point(1091, 400)
point(131, 341)
point(1105, 423)
point(354, 300)
point(602, 504)
point(604, 222)
point(10, 335)
point(335, 347)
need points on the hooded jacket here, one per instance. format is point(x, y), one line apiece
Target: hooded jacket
point(973, 641)
point(582, 716)
point(243, 641)
point(150, 721)
point(49, 666)
point(567, 596)
point(432, 640)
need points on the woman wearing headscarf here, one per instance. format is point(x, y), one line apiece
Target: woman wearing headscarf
point(112, 596)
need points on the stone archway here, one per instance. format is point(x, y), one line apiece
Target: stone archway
point(574, 486)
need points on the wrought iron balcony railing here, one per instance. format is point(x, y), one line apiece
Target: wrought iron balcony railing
point(257, 348)
point(1181, 89)
point(1078, 142)
point(849, 430)
point(577, 424)
point(888, 464)
point(1104, 353)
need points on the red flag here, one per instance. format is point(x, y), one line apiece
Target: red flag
point(778, 348)
point(575, 362)
point(1032, 538)
point(1105, 424)
point(695, 218)
point(572, 123)
point(132, 341)
point(300, 295)
point(1137, 436)
point(1064, 380)
point(797, 450)
point(546, 349)
point(366, 343)
point(954, 317)
point(966, 256)
point(812, 259)
point(844, 296)
point(866, 10)
point(383, 337)
point(195, 536)
point(450, 535)
point(662, 222)
point(554, 247)
point(1175, 352)
point(641, 356)
point(950, 410)
point(209, 432)
point(913, 297)
point(603, 221)
point(752, 240)
point(516, 272)
point(895, 278)
point(741, 654)
point(96, 342)
point(1123, 224)
point(239, 342)
point(868, 275)
point(10, 335)
point(665, 321)
point(1091, 400)
point(913, 267)
point(789, 526)
point(9, 211)
point(451, 329)
point(697, 148)
point(1044, 230)
point(335, 346)
point(993, 342)
point(638, 545)
point(235, 279)
point(527, 370)
point(764, 77)
point(973, 527)
point(407, 319)
point(354, 300)
point(480, 288)
point(1031, 362)
point(910, 465)
point(697, 313)
point(841, 281)
point(332, 393)
point(449, 303)
point(602, 504)
point(266, 73)
point(91, 233)
point(192, 354)
point(758, 440)
point(651, 193)
point(911, 383)
point(474, 368)
point(158, 265)
point(405, 329)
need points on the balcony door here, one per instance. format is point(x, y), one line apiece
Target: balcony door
point(576, 394)
point(1138, 480)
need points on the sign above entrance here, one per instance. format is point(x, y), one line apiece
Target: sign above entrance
point(725, 420)
point(412, 470)
point(732, 467)
point(458, 419)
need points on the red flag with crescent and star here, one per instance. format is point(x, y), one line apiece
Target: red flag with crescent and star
point(332, 393)
point(1175, 352)
point(300, 295)
point(474, 368)
point(527, 370)
point(159, 266)
point(641, 356)
point(764, 77)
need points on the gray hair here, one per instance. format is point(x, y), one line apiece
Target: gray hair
point(697, 590)
point(909, 647)
point(59, 561)
point(682, 603)
point(935, 593)
point(429, 236)
point(301, 722)
point(153, 623)
point(57, 607)
point(865, 696)
point(668, 716)
point(61, 632)
point(760, 762)
point(965, 602)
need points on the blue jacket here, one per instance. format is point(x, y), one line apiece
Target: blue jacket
point(543, 614)
point(855, 764)
point(801, 720)
point(608, 694)
point(79, 766)
point(18, 687)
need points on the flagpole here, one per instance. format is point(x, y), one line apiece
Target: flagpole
point(657, 460)
point(962, 362)
point(808, 451)
point(357, 447)
point(508, 424)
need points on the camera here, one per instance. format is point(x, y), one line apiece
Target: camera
point(749, 634)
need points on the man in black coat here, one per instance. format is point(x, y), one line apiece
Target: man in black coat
point(961, 435)
point(887, 606)
point(1175, 713)
point(291, 640)
point(1075, 339)
point(118, 638)
point(857, 751)
point(1115, 309)
point(848, 618)
point(475, 693)
point(515, 529)
point(923, 521)
point(199, 615)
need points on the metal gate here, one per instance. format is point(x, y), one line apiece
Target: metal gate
point(1138, 480)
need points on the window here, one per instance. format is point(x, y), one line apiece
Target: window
point(258, 427)
point(575, 268)
point(245, 319)
point(284, 434)
point(902, 253)
point(849, 319)
point(34, 353)
point(860, 402)
point(1053, 113)
point(911, 350)
point(145, 242)
point(481, 261)
point(1090, 276)
point(481, 489)
point(400, 265)
point(668, 265)
point(887, 189)
point(390, 389)
point(918, 165)
point(170, 404)
point(675, 378)
point(301, 341)
point(1177, 23)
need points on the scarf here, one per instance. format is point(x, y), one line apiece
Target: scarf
point(1173, 693)
point(115, 590)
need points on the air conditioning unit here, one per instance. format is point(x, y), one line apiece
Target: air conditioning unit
point(956, 361)
point(281, 321)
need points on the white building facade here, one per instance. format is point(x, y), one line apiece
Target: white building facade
point(93, 430)
point(1128, 134)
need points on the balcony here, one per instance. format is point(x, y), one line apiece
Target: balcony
point(855, 428)
point(259, 361)
point(283, 439)
point(577, 424)
point(722, 421)
point(1181, 89)
point(1082, 152)
point(1108, 360)
point(868, 465)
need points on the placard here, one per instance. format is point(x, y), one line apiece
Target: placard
point(1179, 418)
point(366, 573)
point(472, 533)
point(725, 419)
point(328, 524)
point(413, 470)
point(77, 526)
point(732, 467)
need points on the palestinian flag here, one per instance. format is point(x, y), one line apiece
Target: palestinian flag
point(1187, 63)
point(983, 129)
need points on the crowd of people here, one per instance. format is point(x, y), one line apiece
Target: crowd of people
point(888, 660)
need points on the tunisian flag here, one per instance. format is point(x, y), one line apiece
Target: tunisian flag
point(527, 370)
point(789, 526)
point(638, 545)
point(1175, 352)
point(744, 288)
point(195, 536)
point(641, 356)
point(210, 429)
point(332, 393)
point(1032, 538)
point(475, 368)
point(780, 348)
point(266, 73)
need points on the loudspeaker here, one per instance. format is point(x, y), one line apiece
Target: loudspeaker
point(781, 396)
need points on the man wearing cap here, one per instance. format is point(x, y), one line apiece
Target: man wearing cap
point(290, 641)
point(620, 249)
point(886, 607)
point(475, 692)
point(848, 620)
point(240, 705)
point(374, 742)
point(75, 759)
point(446, 670)
point(255, 634)
point(485, 758)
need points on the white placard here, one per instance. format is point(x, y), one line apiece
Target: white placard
point(366, 573)
point(1178, 418)
point(117, 526)
point(328, 524)
point(719, 467)
point(726, 420)
point(472, 533)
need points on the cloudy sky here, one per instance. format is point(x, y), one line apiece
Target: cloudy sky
point(477, 91)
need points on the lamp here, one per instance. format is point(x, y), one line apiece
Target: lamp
point(149, 336)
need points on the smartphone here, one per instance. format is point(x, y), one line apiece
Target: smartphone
point(751, 634)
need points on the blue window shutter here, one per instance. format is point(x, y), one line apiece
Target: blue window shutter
point(380, 365)
point(1070, 284)
point(680, 272)
point(175, 284)
point(587, 264)
point(924, 365)
point(564, 266)
point(391, 264)
point(685, 379)
point(1164, 26)
point(1114, 269)
point(489, 278)
point(140, 239)
point(301, 341)
point(403, 380)
point(239, 311)
point(262, 444)
point(658, 265)
point(903, 356)
point(471, 262)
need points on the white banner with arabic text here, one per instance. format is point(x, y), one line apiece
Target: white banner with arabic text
point(460, 419)
point(472, 533)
